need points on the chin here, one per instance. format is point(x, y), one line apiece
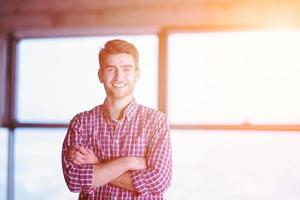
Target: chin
point(119, 96)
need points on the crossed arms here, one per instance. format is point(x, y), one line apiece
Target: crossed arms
point(150, 175)
point(113, 171)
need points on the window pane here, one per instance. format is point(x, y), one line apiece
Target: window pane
point(57, 78)
point(234, 77)
point(215, 165)
point(3, 163)
point(38, 171)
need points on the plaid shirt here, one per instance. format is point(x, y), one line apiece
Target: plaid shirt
point(142, 132)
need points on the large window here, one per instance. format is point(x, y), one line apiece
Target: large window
point(38, 165)
point(234, 77)
point(57, 78)
point(230, 78)
point(3, 162)
point(217, 165)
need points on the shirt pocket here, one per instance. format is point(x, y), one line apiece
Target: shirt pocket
point(136, 145)
point(100, 146)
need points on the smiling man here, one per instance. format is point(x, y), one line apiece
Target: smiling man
point(119, 149)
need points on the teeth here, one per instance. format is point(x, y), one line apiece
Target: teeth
point(118, 84)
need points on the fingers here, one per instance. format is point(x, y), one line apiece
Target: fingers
point(76, 162)
point(89, 151)
point(92, 158)
point(80, 155)
point(77, 157)
point(81, 149)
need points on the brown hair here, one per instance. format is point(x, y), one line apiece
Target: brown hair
point(115, 47)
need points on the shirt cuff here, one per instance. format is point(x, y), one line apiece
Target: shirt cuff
point(87, 179)
point(137, 179)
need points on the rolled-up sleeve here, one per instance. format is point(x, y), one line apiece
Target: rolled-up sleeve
point(157, 177)
point(78, 177)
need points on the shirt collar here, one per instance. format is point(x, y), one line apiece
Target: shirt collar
point(128, 112)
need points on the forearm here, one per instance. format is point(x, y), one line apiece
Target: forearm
point(107, 171)
point(154, 180)
point(124, 181)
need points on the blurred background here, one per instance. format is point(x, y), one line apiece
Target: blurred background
point(226, 72)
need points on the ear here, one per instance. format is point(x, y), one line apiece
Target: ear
point(100, 75)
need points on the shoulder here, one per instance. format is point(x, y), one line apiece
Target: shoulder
point(155, 117)
point(88, 114)
point(150, 111)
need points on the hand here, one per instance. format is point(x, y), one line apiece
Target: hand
point(80, 155)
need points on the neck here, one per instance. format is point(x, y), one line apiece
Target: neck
point(117, 106)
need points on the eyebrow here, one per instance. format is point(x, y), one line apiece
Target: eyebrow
point(127, 66)
point(121, 66)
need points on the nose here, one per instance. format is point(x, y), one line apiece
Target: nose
point(118, 74)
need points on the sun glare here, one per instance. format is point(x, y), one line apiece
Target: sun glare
point(233, 77)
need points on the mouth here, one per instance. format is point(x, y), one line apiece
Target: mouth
point(118, 85)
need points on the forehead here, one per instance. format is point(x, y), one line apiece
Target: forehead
point(120, 59)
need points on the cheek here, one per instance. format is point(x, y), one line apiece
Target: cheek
point(106, 77)
point(132, 79)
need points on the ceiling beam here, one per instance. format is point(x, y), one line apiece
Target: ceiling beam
point(48, 15)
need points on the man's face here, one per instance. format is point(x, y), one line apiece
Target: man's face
point(119, 76)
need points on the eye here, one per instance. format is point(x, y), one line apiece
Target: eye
point(127, 68)
point(109, 69)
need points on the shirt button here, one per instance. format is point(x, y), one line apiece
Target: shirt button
point(116, 141)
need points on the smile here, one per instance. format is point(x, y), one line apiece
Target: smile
point(119, 85)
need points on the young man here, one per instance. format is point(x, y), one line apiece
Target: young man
point(120, 149)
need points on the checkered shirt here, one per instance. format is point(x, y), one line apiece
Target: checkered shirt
point(142, 132)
